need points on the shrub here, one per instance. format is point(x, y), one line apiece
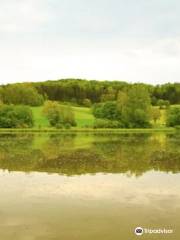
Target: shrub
point(67, 115)
point(105, 123)
point(59, 126)
point(163, 104)
point(107, 110)
point(25, 116)
point(87, 102)
point(155, 114)
point(21, 94)
point(173, 117)
point(140, 119)
point(58, 114)
point(15, 116)
point(51, 110)
point(97, 110)
point(67, 126)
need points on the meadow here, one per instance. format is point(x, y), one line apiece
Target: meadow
point(83, 116)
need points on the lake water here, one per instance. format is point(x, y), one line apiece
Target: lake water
point(89, 187)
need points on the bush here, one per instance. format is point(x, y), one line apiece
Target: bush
point(58, 114)
point(67, 126)
point(87, 102)
point(97, 110)
point(140, 119)
point(105, 123)
point(163, 104)
point(15, 116)
point(67, 115)
point(25, 116)
point(107, 110)
point(155, 113)
point(51, 110)
point(21, 94)
point(173, 117)
point(59, 126)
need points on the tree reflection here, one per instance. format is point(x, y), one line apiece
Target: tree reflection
point(73, 154)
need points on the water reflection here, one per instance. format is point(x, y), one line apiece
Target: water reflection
point(75, 154)
point(85, 186)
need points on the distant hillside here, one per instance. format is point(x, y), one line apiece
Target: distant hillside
point(78, 91)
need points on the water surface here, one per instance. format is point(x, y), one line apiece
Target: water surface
point(87, 186)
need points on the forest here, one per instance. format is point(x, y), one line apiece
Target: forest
point(111, 104)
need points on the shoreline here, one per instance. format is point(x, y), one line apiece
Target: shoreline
point(86, 130)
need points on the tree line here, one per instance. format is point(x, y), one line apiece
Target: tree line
point(83, 92)
point(77, 90)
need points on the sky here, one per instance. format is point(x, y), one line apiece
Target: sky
point(128, 40)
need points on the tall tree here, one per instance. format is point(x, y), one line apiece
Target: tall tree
point(136, 112)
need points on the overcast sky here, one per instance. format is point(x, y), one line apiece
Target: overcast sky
point(93, 39)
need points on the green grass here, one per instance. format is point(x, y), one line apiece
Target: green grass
point(83, 117)
point(40, 121)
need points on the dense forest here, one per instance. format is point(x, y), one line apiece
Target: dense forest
point(80, 91)
point(96, 91)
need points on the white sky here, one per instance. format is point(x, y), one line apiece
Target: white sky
point(94, 39)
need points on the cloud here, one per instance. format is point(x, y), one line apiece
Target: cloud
point(97, 39)
point(22, 16)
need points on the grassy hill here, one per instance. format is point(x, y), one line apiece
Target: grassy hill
point(83, 116)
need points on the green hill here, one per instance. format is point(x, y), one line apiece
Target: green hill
point(83, 116)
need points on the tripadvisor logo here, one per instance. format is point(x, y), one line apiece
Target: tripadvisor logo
point(139, 231)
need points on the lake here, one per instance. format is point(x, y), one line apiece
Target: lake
point(89, 186)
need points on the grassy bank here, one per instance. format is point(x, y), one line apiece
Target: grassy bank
point(86, 130)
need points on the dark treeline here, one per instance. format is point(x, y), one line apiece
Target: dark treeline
point(79, 91)
point(96, 91)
